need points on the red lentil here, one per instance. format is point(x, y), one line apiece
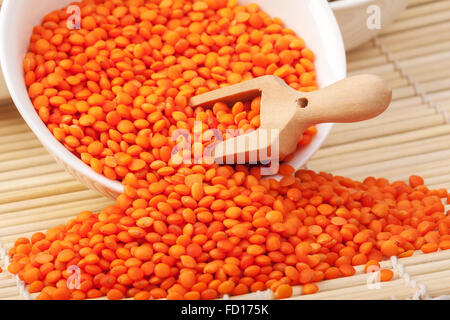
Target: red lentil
point(310, 288)
point(283, 291)
point(372, 266)
point(386, 274)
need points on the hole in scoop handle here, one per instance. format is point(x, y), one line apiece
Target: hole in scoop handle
point(353, 99)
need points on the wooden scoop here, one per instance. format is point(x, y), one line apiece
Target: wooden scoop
point(286, 113)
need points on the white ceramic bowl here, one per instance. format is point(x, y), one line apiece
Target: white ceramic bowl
point(311, 19)
point(352, 16)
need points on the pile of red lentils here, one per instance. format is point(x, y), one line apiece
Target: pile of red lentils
point(115, 90)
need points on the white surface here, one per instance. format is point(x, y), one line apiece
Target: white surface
point(352, 17)
point(312, 20)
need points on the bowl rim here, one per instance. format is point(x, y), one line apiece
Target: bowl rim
point(62, 155)
point(345, 4)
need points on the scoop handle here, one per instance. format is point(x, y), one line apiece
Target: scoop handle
point(353, 99)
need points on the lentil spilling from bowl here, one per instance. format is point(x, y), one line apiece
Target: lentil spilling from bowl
point(114, 92)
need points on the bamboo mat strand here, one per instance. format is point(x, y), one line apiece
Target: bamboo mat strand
point(412, 137)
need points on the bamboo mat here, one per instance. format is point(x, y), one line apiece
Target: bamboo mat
point(412, 137)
